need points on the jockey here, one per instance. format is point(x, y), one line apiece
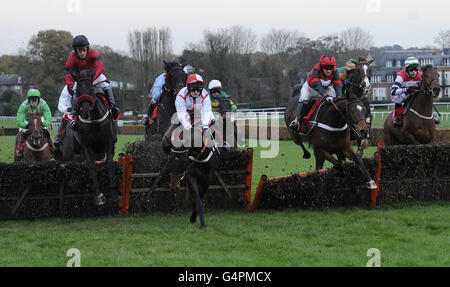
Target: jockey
point(33, 103)
point(346, 71)
point(190, 97)
point(81, 58)
point(157, 88)
point(323, 81)
point(406, 82)
point(216, 91)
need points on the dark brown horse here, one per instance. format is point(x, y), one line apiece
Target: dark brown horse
point(359, 87)
point(197, 163)
point(418, 125)
point(96, 134)
point(36, 147)
point(331, 134)
point(175, 81)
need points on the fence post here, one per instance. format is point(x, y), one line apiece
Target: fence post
point(374, 193)
point(125, 186)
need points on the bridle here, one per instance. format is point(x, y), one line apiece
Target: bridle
point(364, 83)
point(349, 102)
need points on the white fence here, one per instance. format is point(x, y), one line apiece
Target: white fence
point(251, 114)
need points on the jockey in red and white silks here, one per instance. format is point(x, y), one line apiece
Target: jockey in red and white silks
point(193, 97)
point(407, 80)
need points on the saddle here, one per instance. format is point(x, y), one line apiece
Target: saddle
point(313, 108)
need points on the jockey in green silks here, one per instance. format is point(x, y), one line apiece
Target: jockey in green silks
point(33, 103)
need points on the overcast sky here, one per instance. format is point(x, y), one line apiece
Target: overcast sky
point(107, 22)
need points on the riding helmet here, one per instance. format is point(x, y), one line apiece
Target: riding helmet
point(79, 42)
point(350, 64)
point(327, 60)
point(411, 62)
point(215, 84)
point(33, 93)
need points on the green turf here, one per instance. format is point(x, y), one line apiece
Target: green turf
point(406, 235)
point(414, 234)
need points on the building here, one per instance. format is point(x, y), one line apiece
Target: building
point(13, 82)
point(390, 60)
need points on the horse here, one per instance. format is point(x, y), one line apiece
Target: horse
point(359, 86)
point(36, 147)
point(96, 133)
point(418, 125)
point(198, 165)
point(175, 81)
point(330, 133)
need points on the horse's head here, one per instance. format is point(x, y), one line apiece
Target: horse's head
point(175, 76)
point(85, 100)
point(430, 81)
point(35, 132)
point(355, 114)
point(361, 75)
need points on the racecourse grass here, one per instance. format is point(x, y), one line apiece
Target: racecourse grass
point(412, 234)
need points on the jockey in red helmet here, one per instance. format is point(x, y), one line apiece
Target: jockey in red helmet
point(323, 81)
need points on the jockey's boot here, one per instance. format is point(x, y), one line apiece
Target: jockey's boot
point(298, 124)
point(151, 108)
point(49, 139)
point(397, 117)
point(112, 103)
point(19, 151)
point(61, 132)
point(73, 112)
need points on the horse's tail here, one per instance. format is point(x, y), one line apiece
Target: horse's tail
point(296, 91)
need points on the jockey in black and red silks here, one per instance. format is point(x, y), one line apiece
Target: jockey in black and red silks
point(82, 58)
point(323, 81)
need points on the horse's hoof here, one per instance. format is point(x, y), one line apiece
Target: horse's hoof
point(193, 219)
point(372, 184)
point(307, 155)
point(100, 199)
point(203, 226)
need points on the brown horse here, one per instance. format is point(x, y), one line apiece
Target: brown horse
point(197, 163)
point(331, 132)
point(36, 147)
point(418, 125)
point(359, 86)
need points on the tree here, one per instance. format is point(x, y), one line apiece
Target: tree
point(443, 39)
point(148, 49)
point(47, 53)
point(279, 41)
point(356, 38)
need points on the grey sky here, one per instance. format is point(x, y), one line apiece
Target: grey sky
point(107, 22)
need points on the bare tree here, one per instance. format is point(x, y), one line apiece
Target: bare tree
point(243, 41)
point(279, 41)
point(443, 38)
point(149, 48)
point(356, 38)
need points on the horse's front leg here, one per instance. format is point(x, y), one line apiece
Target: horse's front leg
point(198, 205)
point(358, 161)
point(115, 193)
point(99, 197)
point(321, 155)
